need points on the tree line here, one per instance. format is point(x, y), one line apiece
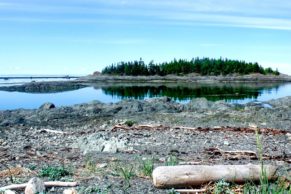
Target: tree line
point(202, 66)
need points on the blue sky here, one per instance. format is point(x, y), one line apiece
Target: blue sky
point(81, 36)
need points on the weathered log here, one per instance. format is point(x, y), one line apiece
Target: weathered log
point(189, 175)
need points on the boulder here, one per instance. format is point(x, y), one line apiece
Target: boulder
point(47, 106)
point(34, 186)
point(201, 104)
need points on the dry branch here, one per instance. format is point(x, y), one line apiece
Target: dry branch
point(13, 187)
point(188, 175)
point(47, 184)
point(233, 155)
point(243, 154)
point(196, 191)
point(60, 184)
point(53, 131)
point(139, 127)
point(266, 131)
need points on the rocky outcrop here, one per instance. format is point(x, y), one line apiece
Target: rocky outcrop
point(274, 113)
point(44, 87)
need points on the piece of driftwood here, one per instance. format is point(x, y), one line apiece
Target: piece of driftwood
point(189, 175)
point(13, 187)
point(139, 127)
point(53, 131)
point(232, 155)
point(195, 191)
point(47, 184)
point(60, 184)
point(243, 154)
point(265, 131)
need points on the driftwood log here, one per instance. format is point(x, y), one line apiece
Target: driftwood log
point(190, 175)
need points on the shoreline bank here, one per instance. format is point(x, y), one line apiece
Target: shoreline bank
point(188, 78)
point(99, 134)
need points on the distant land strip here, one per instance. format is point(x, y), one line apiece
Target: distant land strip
point(38, 77)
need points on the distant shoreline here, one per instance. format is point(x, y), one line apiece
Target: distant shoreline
point(187, 78)
point(38, 77)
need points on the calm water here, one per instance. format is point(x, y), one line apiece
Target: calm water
point(233, 93)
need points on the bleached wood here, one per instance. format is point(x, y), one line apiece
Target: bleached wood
point(191, 190)
point(189, 175)
point(13, 187)
point(60, 184)
point(53, 131)
point(47, 184)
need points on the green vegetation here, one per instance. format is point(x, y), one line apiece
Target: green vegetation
point(222, 187)
point(55, 172)
point(171, 161)
point(126, 172)
point(130, 123)
point(203, 66)
point(172, 191)
point(90, 165)
point(147, 167)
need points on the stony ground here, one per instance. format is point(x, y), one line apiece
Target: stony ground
point(107, 146)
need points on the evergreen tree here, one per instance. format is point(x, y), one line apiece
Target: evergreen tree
point(203, 66)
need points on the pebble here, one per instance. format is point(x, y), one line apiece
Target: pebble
point(226, 143)
point(9, 192)
point(103, 165)
point(162, 159)
point(70, 191)
point(3, 143)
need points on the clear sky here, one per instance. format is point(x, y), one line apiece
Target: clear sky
point(82, 36)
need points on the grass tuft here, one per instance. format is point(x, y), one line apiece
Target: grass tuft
point(147, 167)
point(171, 161)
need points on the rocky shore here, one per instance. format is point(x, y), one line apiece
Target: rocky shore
point(259, 78)
point(96, 140)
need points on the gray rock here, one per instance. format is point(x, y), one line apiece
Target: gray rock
point(98, 143)
point(47, 106)
point(199, 104)
point(34, 186)
point(110, 147)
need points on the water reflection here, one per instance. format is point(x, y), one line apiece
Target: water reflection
point(70, 94)
point(213, 92)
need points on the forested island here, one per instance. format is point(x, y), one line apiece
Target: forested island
point(202, 66)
